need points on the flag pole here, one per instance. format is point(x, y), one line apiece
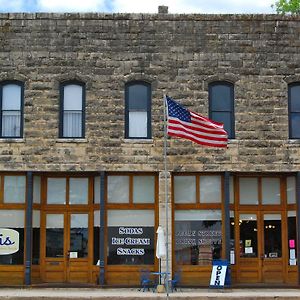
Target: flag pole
point(166, 200)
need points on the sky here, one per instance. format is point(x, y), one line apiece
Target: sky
point(140, 6)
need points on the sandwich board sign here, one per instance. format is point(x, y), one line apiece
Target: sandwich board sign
point(219, 273)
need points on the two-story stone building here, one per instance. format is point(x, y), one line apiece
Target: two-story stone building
point(82, 168)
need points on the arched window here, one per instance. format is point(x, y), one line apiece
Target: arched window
point(221, 105)
point(138, 110)
point(12, 99)
point(72, 110)
point(294, 110)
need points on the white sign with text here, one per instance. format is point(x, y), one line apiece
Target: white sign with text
point(9, 241)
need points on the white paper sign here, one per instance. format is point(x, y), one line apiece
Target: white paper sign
point(232, 257)
point(73, 255)
point(248, 250)
point(218, 274)
point(9, 241)
point(292, 254)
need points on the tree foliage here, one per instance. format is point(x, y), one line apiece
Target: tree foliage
point(287, 7)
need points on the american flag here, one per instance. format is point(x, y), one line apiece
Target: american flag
point(192, 126)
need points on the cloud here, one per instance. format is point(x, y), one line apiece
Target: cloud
point(194, 6)
point(71, 5)
point(12, 5)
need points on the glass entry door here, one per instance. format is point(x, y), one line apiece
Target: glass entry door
point(65, 247)
point(259, 247)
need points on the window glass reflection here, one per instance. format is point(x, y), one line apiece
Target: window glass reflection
point(272, 235)
point(54, 235)
point(248, 235)
point(79, 236)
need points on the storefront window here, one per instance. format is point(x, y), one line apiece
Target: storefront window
point(210, 189)
point(232, 248)
point(14, 189)
point(78, 191)
point(12, 237)
point(130, 237)
point(37, 189)
point(55, 235)
point(292, 238)
point(118, 189)
point(198, 236)
point(97, 190)
point(270, 190)
point(79, 235)
point(185, 189)
point(248, 190)
point(272, 235)
point(56, 190)
point(143, 189)
point(248, 235)
point(36, 237)
point(291, 189)
point(96, 236)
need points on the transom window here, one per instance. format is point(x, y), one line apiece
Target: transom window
point(138, 110)
point(11, 96)
point(294, 111)
point(221, 105)
point(72, 110)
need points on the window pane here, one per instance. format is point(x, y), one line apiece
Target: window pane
point(73, 97)
point(97, 189)
point(292, 238)
point(54, 235)
point(143, 189)
point(79, 235)
point(138, 97)
point(210, 189)
point(79, 190)
point(248, 191)
point(36, 189)
point(270, 190)
point(11, 97)
point(272, 235)
point(14, 189)
point(291, 189)
point(231, 189)
point(248, 235)
point(11, 123)
point(131, 237)
point(221, 99)
point(138, 124)
point(185, 189)
point(198, 237)
point(225, 118)
point(118, 189)
point(295, 125)
point(14, 220)
point(36, 237)
point(295, 98)
point(56, 191)
point(96, 236)
point(72, 124)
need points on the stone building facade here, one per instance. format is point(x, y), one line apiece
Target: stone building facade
point(183, 56)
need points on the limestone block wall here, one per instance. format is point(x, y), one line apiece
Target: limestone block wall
point(179, 55)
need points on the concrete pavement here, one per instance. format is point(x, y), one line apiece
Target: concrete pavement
point(134, 294)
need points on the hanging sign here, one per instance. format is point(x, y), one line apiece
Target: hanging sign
point(9, 241)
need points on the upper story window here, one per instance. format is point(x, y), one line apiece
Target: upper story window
point(221, 105)
point(138, 110)
point(294, 110)
point(72, 110)
point(12, 99)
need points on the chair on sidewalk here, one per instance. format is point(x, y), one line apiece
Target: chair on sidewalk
point(145, 280)
point(173, 283)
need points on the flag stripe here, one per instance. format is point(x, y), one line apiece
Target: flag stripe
point(194, 127)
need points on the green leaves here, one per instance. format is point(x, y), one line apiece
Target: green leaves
point(287, 7)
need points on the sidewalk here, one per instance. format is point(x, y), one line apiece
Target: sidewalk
point(134, 294)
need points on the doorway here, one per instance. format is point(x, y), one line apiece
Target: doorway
point(65, 247)
point(261, 257)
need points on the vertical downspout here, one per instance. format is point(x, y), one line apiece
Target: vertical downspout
point(28, 234)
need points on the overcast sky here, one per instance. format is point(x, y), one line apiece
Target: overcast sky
point(139, 6)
